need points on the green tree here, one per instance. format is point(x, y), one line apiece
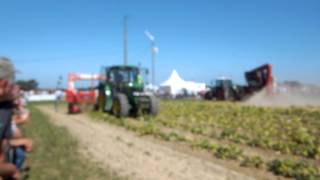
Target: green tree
point(28, 85)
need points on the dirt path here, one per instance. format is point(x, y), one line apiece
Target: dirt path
point(132, 156)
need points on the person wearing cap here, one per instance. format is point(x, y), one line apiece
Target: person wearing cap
point(9, 91)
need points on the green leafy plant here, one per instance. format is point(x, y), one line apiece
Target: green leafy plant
point(148, 129)
point(172, 136)
point(293, 169)
point(206, 144)
point(229, 152)
point(254, 161)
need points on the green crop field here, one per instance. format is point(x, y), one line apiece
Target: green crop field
point(289, 130)
point(226, 128)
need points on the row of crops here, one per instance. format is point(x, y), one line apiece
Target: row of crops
point(290, 131)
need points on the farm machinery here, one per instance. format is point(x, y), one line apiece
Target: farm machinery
point(121, 92)
point(257, 79)
point(77, 98)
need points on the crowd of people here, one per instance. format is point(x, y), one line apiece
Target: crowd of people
point(13, 113)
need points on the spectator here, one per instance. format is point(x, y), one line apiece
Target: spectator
point(8, 94)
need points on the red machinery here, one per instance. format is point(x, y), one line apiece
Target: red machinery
point(76, 97)
point(260, 78)
point(257, 79)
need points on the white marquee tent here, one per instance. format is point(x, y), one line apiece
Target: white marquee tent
point(176, 85)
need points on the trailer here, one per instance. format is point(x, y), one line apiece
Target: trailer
point(78, 98)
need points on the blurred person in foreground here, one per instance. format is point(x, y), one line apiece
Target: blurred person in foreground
point(20, 116)
point(8, 94)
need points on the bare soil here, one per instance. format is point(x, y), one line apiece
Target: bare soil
point(136, 157)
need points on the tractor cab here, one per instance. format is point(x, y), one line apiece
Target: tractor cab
point(220, 89)
point(224, 83)
point(124, 78)
point(224, 89)
point(122, 93)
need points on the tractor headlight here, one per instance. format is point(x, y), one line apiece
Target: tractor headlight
point(142, 93)
point(136, 93)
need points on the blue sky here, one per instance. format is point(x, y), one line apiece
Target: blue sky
point(201, 39)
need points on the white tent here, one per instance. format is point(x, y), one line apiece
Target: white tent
point(176, 85)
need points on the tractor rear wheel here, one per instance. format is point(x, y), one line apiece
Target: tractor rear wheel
point(120, 106)
point(153, 105)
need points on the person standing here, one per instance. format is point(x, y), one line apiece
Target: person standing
point(9, 92)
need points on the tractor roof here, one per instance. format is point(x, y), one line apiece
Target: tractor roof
point(223, 78)
point(127, 67)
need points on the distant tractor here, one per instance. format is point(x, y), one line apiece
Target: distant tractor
point(121, 92)
point(223, 89)
point(257, 79)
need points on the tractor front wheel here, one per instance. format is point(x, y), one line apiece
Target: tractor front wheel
point(120, 106)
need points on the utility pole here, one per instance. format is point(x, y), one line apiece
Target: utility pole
point(153, 56)
point(154, 51)
point(125, 40)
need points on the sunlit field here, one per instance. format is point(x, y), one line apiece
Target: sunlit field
point(284, 141)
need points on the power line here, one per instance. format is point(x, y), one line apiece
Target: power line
point(125, 40)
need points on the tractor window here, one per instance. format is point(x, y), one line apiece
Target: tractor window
point(122, 75)
point(224, 83)
point(144, 75)
point(219, 83)
point(111, 77)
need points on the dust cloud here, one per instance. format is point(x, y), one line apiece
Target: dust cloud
point(284, 99)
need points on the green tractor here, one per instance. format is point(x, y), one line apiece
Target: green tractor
point(121, 92)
